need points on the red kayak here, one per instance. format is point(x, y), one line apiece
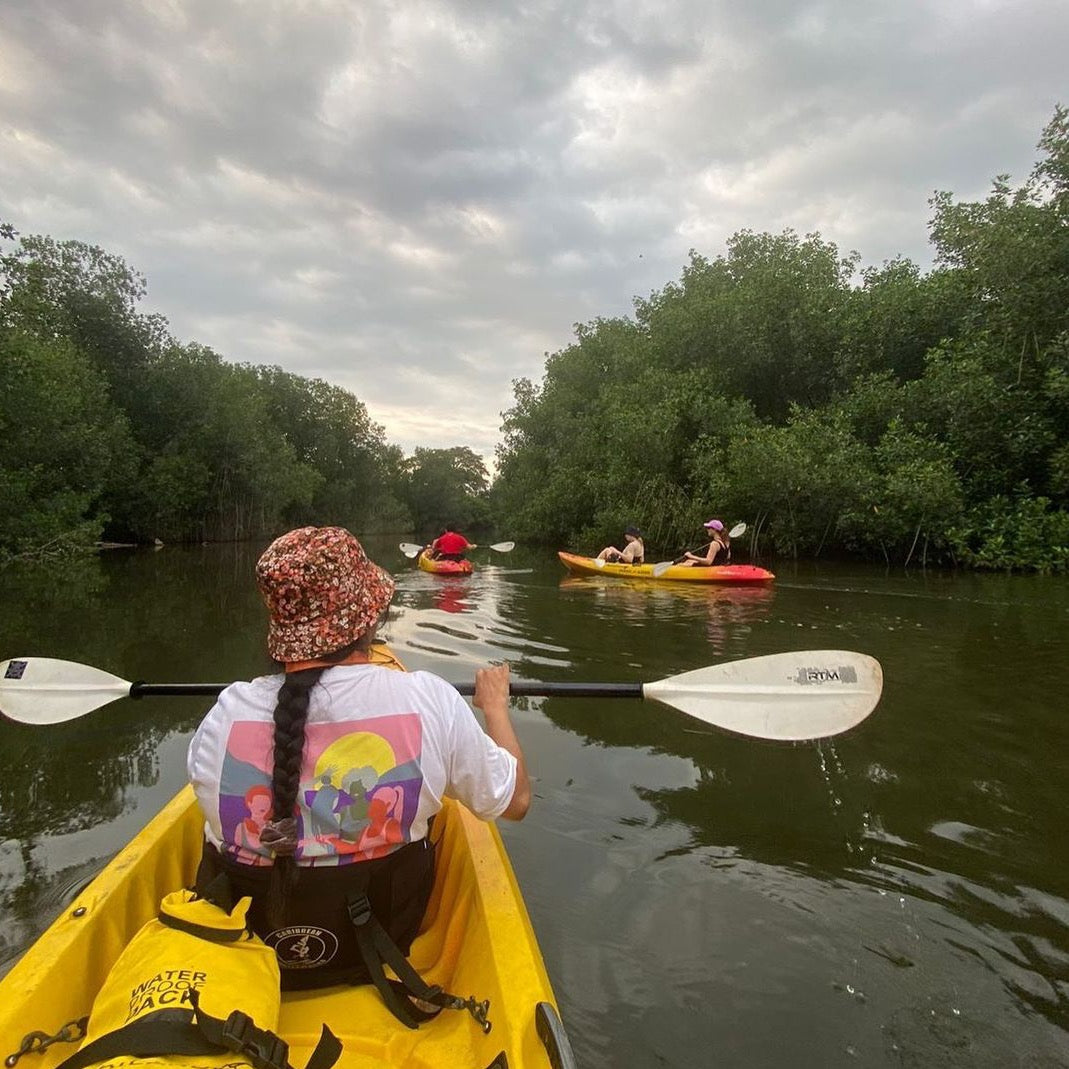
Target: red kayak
point(444, 567)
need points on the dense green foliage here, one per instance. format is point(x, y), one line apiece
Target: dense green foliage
point(110, 427)
point(446, 488)
point(892, 413)
point(897, 414)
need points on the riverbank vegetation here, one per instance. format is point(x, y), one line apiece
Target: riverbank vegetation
point(888, 412)
point(110, 427)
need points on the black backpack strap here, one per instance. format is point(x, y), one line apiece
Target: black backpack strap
point(159, 1033)
point(377, 950)
point(260, 1046)
point(198, 1033)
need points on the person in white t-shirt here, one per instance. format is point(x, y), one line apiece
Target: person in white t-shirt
point(355, 757)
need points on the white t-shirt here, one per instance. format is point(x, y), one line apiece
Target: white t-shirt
point(381, 750)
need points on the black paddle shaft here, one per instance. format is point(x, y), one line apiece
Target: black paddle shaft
point(176, 690)
point(565, 690)
point(517, 689)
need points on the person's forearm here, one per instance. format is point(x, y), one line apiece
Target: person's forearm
point(499, 728)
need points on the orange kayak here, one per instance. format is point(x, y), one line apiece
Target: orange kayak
point(722, 573)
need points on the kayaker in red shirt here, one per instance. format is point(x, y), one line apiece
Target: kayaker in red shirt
point(450, 546)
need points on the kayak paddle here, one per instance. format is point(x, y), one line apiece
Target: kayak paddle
point(411, 550)
point(787, 696)
point(661, 567)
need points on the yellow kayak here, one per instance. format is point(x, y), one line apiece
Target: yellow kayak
point(476, 940)
point(720, 573)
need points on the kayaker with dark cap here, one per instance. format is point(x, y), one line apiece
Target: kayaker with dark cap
point(356, 758)
point(719, 546)
point(634, 551)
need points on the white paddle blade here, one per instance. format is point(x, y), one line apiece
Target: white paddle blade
point(40, 690)
point(503, 547)
point(737, 531)
point(409, 549)
point(785, 696)
point(660, 568)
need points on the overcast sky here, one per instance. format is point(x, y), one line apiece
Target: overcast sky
point(417, 200)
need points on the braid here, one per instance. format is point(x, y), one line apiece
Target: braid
point(291, 714)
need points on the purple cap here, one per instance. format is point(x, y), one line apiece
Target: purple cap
point(716, 525)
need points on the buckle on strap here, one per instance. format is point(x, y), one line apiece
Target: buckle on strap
point(263, 1048)
point(479, 1010)
point(359, 910)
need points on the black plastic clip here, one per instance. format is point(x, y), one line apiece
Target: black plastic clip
point(359, 910)
point(264, 1049)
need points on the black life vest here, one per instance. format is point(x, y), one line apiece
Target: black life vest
point(345, 923)
point(317, 945)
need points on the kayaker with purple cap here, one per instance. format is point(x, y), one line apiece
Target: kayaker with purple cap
point(719, 546)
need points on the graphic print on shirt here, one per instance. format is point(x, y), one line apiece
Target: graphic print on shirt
point(359, 791)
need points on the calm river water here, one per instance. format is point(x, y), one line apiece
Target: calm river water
point(898, 896)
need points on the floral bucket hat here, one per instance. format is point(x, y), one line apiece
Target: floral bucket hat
point(321, 592)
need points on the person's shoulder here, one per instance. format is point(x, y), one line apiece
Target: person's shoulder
point(261, 691)
point(409, 680)
point(255, 685)
point(428, 681)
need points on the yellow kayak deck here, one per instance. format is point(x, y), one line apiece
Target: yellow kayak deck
point(476, 940)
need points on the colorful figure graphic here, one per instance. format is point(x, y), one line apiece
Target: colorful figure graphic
point(357, 799)
point(385, 811)
point(258, 803)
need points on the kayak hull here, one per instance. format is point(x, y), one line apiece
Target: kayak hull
point(724, 573)
point(444, 567)
point(476, 939)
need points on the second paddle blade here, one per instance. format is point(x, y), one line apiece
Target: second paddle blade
point(784, 696)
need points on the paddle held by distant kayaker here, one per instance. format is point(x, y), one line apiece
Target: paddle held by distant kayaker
point(355, 758)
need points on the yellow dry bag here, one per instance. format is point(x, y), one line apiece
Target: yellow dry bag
point(193, 986)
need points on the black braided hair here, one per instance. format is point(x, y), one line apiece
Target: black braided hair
point(290, 716)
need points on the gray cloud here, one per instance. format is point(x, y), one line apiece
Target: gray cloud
point(417, 201)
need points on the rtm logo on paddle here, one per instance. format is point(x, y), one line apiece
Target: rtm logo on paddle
point(842, 674)
point(170, 988)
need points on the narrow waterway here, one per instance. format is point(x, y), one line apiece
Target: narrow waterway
point(898, 896)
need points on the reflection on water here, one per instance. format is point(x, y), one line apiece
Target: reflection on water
point(723, 611)
point(895, 896)
point(451, 596)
